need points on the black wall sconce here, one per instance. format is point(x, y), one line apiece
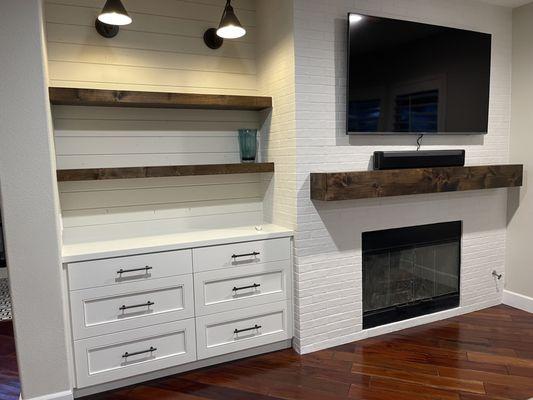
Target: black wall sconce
point(229, 28)
point(112, 16)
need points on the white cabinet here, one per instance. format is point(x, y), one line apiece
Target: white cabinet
point(115, 271)
point(241, 254)
point(242, 329)
point(240, 287)
point(121, 355)
point(137, 314)
point(103, 310)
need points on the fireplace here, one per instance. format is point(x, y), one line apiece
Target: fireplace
point(409, 272)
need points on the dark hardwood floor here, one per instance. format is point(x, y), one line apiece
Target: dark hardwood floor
point(479, 356)
point(9, 376)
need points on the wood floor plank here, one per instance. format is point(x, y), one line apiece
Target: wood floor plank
point(502, 379)
point(520, 371)
point(379, 360)
point(512, 392)
point(397, 385)
point(450, 383)
point(499, 360)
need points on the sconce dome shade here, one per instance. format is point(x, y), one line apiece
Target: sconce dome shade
point(114, 13)
point(230, 27)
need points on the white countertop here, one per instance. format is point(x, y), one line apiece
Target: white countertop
point(151, 244)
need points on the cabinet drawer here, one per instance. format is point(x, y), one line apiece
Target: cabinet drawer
point(240, 254)
point(224, 290)
point(113, 271)
point(109, 309)
point(243, 329)
point(122, 355)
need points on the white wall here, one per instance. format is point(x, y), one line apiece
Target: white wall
point(519, 252)
point(161, 50)
point(275, 60)
point(328, 242)
point(29, 202)
point(92, 137)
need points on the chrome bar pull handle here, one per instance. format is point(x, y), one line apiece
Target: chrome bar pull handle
point(125, 271)
point(138, 353)
point(147, 304)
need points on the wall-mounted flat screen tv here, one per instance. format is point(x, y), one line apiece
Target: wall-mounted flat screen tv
point(411, 78)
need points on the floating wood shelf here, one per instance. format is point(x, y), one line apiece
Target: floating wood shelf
point(158, 172)
point(335, 186)
point(124, 98)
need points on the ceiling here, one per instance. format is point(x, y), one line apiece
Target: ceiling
point(507, 3)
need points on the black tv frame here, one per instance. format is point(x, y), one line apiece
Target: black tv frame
point(444, 133)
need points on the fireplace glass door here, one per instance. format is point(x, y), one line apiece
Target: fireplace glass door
point(409, 272)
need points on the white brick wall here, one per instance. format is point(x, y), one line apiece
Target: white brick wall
point(275, 67)
point(328, 291)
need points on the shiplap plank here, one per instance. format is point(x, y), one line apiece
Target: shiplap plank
point(191, 10)
point(145, 160)
point(86, 35)
point(148, 88)
point(103, 134)
point(148, 58)
point(150, 76)
point(104, 216)
point(155, 196)
point(108, 145)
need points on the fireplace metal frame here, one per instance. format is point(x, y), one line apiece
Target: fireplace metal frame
point(397, 240)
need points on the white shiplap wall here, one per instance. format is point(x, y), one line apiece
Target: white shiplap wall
point(162, 50)
point(92, 137)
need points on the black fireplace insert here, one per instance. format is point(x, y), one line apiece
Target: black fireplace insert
point(409, 272)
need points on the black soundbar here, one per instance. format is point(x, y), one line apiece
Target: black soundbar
point(418, 159)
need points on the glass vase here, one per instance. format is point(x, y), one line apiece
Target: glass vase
point(248, 145)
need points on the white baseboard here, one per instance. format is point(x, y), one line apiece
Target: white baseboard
point(66, 395)
point(518, 301)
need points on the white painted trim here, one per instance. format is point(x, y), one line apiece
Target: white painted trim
point(394, 327)
point(285, 344)
point(66, 395)
point(517, 300)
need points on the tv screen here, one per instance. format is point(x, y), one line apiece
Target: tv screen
point(412, 78)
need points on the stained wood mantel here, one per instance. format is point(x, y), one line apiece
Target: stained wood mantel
point(128, 98)
point(334, 186)
point(96, 174)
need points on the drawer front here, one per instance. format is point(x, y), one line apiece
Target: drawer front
point(122, 355)
point(113, 271)
point(241, 254)
point(109, 309)
point(237, 330)
point(225, 290)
